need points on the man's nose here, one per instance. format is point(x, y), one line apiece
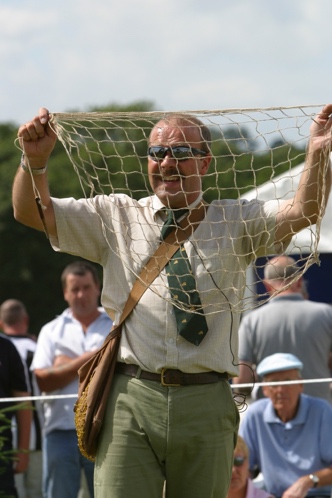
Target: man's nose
point(168, 161)
point(168, 158)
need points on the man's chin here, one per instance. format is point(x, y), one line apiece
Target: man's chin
point(171, 197)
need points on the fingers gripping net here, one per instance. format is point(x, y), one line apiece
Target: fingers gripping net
point(256, 153)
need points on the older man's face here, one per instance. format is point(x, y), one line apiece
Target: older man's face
point(176, 183)
point(285, 398)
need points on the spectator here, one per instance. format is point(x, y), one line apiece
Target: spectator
point(241, 485)
point(14, 321)
point(13, 384)
point(288, 323)
point(63, 345)
point(289, 433)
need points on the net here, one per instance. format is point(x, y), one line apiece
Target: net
point(251, 148)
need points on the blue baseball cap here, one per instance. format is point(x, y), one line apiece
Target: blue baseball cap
point(277, 363)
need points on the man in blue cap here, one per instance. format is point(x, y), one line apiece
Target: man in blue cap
point(289, 433)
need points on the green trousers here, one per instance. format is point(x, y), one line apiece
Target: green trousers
point(151, 434)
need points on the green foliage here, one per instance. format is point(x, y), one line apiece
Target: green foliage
point(237, 168)
point(31, 269)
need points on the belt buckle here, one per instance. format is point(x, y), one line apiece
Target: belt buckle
point(162, 378)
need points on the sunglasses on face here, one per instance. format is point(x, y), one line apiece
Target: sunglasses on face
point(178, 152)
point(238, 461)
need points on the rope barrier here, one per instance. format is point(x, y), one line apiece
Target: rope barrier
point(46, 397)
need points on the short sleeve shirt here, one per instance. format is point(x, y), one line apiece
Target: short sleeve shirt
point(121, 234)
point(65, 335)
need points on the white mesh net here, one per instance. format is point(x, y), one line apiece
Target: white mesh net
point(251, 148)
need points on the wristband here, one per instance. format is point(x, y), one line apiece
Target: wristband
point(34, 171)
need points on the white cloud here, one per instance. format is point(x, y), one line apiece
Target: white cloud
point(181, 54)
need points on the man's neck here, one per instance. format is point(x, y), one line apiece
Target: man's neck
point(287, 415)
point(15, 331)
point(87, 320)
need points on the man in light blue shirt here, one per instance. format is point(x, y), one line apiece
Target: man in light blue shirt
point(289, 433)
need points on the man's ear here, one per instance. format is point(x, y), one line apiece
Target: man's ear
point(205, 164)
point(268, 286)
point(265, 390)
point(301, 386)
point(298, 285)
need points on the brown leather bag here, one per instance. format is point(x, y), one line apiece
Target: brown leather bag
point(96, 375)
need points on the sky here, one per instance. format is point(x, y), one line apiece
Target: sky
point(177, 54)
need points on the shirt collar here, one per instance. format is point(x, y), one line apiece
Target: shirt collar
point(293, 297)
point(158, 207)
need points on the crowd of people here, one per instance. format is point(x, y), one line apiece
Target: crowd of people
point(171, 425)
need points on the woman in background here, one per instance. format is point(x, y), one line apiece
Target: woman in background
point(241, 486)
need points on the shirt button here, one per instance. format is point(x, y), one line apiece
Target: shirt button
point(171, 341)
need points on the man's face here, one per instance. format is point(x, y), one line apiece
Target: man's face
point(82, 294)
point(284, 398)
point(177, 183)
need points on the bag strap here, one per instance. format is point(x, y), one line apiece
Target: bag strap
point(161, 257)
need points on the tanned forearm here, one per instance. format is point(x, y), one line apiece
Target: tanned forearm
point(59, 376)
point(301, 487)
point(25, 205)
point(314, 187)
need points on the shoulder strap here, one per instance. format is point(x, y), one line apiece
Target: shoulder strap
point(162, 255)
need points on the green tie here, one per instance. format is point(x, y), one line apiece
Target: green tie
point(190, 319)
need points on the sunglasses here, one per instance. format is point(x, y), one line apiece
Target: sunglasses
point(238, 461)
point(179, 152)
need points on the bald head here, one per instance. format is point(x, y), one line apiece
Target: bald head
point(186, 123)
point(282, 274)
point(280, 268)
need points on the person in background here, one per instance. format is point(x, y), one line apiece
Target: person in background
point(241, 485)
point(288, 433)
point(171, 414)
point(288, 323)
point(63, 345)
point(14, 322)
point(12, 385)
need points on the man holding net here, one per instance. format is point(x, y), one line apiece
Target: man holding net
point(182, 431)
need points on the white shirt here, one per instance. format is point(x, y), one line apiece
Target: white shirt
point(121, 234)
point(65, 335)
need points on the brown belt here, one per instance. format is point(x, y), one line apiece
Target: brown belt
point(171, 378)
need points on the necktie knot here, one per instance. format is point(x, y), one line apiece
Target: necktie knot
point(172, 220)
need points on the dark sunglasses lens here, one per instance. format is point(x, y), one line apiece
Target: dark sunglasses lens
point(238, 461)
point(181, 153)
point(156, 152)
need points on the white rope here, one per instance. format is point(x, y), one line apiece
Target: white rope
point(233, 386)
